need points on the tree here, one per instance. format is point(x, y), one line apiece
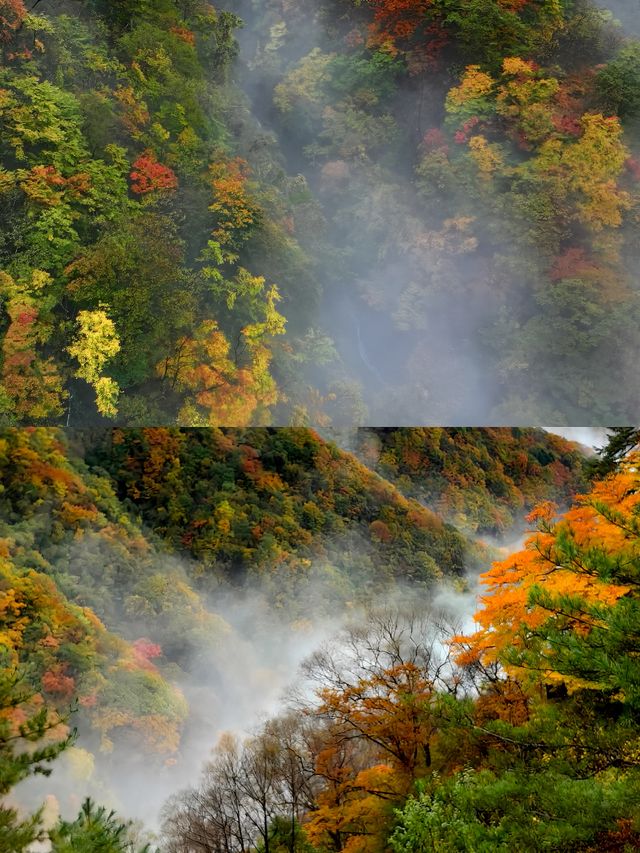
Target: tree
point(562, 618)
point(381, 687)
point(377, 697)
point(32, 382)
point(249, 793)
point(95, 830)
point(28, 741)
point(553, 605)
point(477, 29)
point(148, 175)
point(618, 83)
point(12, 14)
point(96, 343)
point(621, 441)
point(229, 383)
point(237, 213)
point(483, 812)
point(137, 268)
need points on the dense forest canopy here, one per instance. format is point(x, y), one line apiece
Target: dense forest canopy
point(320, 212)
point(141, 569)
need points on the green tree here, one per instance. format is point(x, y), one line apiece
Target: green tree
point(487, 812)
point(620, 441)
point(95, 830)
point(618, 83)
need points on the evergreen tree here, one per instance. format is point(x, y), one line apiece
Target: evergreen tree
point(95, 830)
point(621, 440)
point(24, 751)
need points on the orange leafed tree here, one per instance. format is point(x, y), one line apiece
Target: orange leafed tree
point(223, 391)
point(399, 19)
point(378, 702)
point(354, 808)
point(572, 573)
point(390, 708)
point(235, 210)
point(12, 14)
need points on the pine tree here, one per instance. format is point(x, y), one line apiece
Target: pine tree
point(95, 830)
point(621, 440)
point(25, 750)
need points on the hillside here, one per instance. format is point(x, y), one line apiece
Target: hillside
point(484, 480)
point(393, 727)
point(216, 215)
point(137, 563)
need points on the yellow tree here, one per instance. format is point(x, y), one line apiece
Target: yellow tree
point(229, 383)
point(96, 343)
point(585, 173)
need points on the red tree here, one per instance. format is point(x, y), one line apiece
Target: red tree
point(148, 175)
point(12, 14)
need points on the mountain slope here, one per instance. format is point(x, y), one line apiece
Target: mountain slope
point(139, 568)
point(483, 480)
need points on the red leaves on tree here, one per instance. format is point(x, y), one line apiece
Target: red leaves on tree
point(435, 140)
point(12, 14)
point(413, 26)
point(399, 19)
point(572, 264)
point(462, 136)
point(145, 651)
point(567, 124)
point(55, 681)
point(148, 175)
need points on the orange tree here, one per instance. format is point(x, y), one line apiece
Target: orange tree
point(380, 713)
point(565, 609)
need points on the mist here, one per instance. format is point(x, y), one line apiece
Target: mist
point(235, 677)
point(211, 621)
point(232, 681)
point(586, 436)
point(420, 316)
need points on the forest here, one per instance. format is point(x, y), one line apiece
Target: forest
point(319, 213)
point(252, 640)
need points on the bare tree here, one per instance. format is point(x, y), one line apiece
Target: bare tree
point(245, 789)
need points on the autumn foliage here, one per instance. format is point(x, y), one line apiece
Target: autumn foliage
point(575, 578)
point(148, 175)
point(402, 733)
point(12, 14)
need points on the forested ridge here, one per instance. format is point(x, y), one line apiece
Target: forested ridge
point(194, 235)
point(126, 556)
